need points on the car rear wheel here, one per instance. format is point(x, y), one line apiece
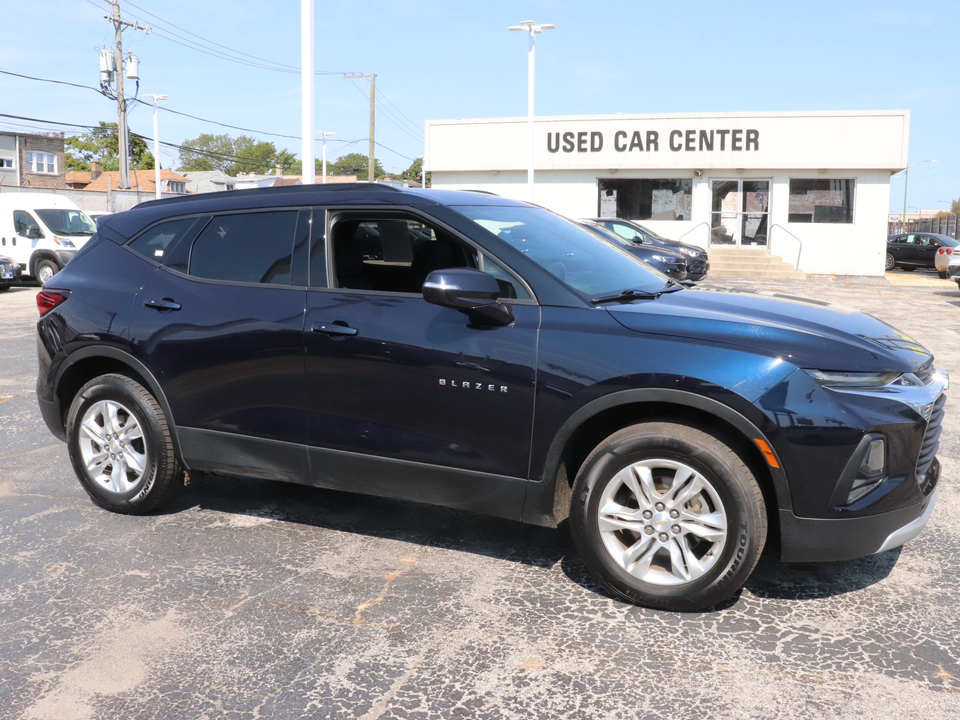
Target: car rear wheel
point(942, 274)
point(668, 516)
point(120, 446)
point(890, 263)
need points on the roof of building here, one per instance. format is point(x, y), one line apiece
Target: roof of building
point(139, 179)
point(204, 181)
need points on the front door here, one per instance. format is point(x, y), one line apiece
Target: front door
point(391, 377)
point(740, 212)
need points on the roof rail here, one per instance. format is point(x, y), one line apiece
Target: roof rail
point(283, 190)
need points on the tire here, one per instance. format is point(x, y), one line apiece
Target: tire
point(942, 274)
point(45, 269)
point(907, 269)
point(890, 263)
point(120, 446)
point(652, 547)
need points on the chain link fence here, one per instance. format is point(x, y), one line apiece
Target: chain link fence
point(95, 200)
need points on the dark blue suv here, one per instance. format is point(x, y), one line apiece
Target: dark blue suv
point(485, 354)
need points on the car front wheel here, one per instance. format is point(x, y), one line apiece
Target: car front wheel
point(121, 447)
point(668, 517)
point(45, 270)
point(890, 263)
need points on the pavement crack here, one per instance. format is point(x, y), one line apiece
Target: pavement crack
point(363, 607)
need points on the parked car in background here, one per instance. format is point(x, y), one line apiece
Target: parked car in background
point(953, 268)
point(9, 273)
point(698, 260)
point(942, 258)
point(670, 263)
point(485, 354)
point(910, 251)
point(42, 231)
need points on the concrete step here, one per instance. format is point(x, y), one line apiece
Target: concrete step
point(749, 262)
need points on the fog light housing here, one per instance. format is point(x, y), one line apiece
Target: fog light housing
point(870, 473)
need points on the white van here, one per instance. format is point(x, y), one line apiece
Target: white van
point(41, 231)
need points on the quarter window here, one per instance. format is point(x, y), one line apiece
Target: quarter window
point(821, 201)
point(41, 162)
point(157, 242)
point(246, 247)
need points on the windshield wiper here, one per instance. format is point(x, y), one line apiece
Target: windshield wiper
point(633, 294)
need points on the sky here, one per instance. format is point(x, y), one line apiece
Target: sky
point(236, 62)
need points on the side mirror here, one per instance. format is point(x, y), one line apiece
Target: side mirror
point(471, 291)
point(34, 233)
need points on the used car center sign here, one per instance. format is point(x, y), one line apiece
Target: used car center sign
point(808, 140)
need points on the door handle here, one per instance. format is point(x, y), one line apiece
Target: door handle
point(165, 304)
point(334, 328)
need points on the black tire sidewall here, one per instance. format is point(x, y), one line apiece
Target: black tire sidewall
point(890, 262)
point(740, 552)
point(127, 393)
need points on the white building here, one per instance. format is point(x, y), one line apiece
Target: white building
point(811, 187)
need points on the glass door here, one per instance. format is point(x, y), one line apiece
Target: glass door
point(740, 212)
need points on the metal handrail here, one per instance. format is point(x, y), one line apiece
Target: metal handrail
point(702, 222)
point(800, 251)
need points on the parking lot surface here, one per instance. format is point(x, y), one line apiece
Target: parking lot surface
point(256, 599)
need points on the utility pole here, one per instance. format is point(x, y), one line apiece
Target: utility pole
point(123, 134)
point(373, 118)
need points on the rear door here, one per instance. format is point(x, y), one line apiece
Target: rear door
point(221, 326)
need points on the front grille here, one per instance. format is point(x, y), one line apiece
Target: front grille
point(931, 443)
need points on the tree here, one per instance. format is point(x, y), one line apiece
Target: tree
point(101, 144)
point(955, 207)
point(412, 174)
point(355, 164)
point(233, 156)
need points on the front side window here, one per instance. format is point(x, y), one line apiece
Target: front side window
point(821, 201)
point(247, 248)
point(41, 162)
point(23, 221)
point(666, 199)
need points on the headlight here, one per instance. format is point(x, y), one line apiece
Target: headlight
point(63, 241)
point(660, 258)
point(852, 380)
point(688, 251)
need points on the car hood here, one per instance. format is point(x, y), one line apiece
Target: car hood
point(806, 333)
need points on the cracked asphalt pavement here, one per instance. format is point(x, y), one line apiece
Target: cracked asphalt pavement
point(255, 599)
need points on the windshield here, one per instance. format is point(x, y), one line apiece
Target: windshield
point(573, 254)
point(67, 222)
point(651, 233)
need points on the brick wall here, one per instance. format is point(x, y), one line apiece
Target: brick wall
point(43, 143)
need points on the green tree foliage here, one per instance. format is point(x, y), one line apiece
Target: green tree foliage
point(955, 207)
point(355, 164)
point(412, 174)
point(101, 144)
point(233, 156)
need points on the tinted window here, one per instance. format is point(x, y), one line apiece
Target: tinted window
point(246, 247)
point(23, 221)
point(157, 241)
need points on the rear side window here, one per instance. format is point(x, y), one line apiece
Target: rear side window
point(157, 242)
point(246, 247)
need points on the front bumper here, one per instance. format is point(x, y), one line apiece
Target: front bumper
point(818, 540)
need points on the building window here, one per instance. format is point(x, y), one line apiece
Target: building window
point(177, 187)
point(6, 163)
point(646, 199)
point(821, 201)
point(41, 162)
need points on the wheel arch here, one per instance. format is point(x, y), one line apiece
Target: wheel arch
point(90, 362)
point(39, 255)
point(599, 419)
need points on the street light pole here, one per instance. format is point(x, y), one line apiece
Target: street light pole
point(533, 29)
point(906, 178)
point(156, 141)
point(324, 134)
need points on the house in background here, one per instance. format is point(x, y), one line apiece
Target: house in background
point(171, 183)
point(246, 181)
point(207, 181)
point(32, 160)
